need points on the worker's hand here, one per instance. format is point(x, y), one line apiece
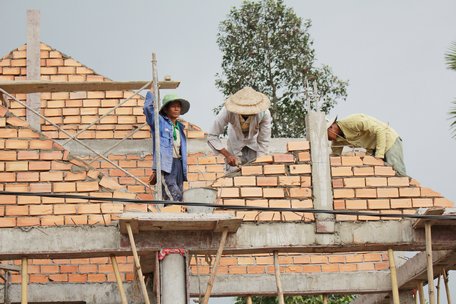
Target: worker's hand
point(231, 160)
point(153, 178)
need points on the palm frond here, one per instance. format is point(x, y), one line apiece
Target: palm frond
point(452, 114)
point(450, 56)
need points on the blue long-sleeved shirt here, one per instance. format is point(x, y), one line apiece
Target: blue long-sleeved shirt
point(166, 138)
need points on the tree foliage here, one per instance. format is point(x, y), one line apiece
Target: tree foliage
point(451, 62)
point(266, 46)
point(333, 299)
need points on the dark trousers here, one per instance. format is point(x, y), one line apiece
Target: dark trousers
point(174, 181)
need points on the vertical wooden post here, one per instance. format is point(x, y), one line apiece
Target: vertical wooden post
point(421, 293)
point(157, 278)
point(123, 297)
point(430, 267)
point(447, 289)
point(210, 284)
point(394, 287)
point(416, 297)
point(438, 290)
point(158, 186)
point(137, 264)
point(277, 276)
point(325, 299)
point(33, 66)
point(6, 294)
point(249, 300)
point(24, 274)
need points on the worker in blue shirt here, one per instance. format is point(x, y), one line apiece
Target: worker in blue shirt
point(173, 143)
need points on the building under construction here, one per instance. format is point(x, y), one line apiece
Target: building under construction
point(295, 222)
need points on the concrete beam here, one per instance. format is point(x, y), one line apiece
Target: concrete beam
point(72, 242)
point(89, 293)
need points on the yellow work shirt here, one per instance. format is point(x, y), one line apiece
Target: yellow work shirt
point(364, 131)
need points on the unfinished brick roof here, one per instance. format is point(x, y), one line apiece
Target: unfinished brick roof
point(73, 111)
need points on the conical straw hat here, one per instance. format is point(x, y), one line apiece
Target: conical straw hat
point(247, 101)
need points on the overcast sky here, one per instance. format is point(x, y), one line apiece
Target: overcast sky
point(392, 53)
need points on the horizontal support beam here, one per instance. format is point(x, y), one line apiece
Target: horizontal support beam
point(36, 86)
point(76, 242)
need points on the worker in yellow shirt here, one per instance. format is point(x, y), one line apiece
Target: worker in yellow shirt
point(364, 131)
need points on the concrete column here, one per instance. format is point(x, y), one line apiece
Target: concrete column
point(321, 174)
point(173, 283)
point(33, 66)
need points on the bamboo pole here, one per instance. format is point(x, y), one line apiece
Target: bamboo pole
point(438, 290)
point(210, 284)
point(123, 297)
point(277, 276)
point(421, 293)
point(24, 274)
point(447, 288)
point(158, 186)
point(394, 286)
point(325, 299)
point(137, 264)
point(157, 278)
point(430, 268)
point(249, 300)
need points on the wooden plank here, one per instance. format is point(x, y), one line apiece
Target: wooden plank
point(27, 86)
point(33, 66)
point(419, 223)
point(179, 222)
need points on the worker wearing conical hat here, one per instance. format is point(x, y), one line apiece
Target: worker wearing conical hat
point(249, 128)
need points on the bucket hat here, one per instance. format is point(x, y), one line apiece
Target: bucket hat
point(174, 97)
point(247, 101)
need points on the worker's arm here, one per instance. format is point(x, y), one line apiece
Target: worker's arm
point(264, 135)
point(213, 138)
point(148, 109)
point(336, 148)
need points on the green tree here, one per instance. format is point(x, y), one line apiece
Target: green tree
point(333, 299)
point(266, 46)
point(451, 61)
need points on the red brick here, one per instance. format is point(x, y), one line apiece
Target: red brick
point(274, 169)
point(366, 193)
point(76, 220)
point(401, 203)
point(87, 186)
point(16, 144)
point(339, 204)
point(111, 208)
point(284, 158)
point(289, 181)
point(40, 187)
point(273, 192)
point(40, 209)
point(351, 161)
point(266, 181)
point(300, 169)
point(298, 146)
point(65, 187)
point(300, 192)
point(39, 165)
point(77, 278)
point(251, 191)
point(64, 209)
point(363, 171)
point(387, 192)
point(51, 176)
point(356, 204)
point(306, 181)
point(337, 182)
point(304, 156)
point(379, 204)
point(51, 155)
point(252, 170)
point(16, 166)
point(376, 181)
point(28, 221)
point(384, 171)
point(41, 144)
point(58, 277)
point(229, 192)
point(422, 202)
point(426, 192)
point(245, 181)
point(8, 155)
point(16, 210)
point(341, 171)
point(52, 221)
point(7, 177)
point(223, 182)
point(443, 202)
point(27, 155)
point(398, 181)
point(344, 193)
point(355, 182)
point(7, 222)
point(373, 161)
